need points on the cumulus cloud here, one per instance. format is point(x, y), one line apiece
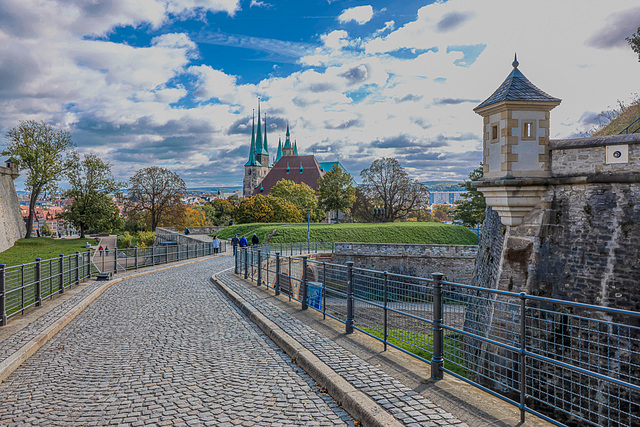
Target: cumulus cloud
point(619, 26)
point(360, 14)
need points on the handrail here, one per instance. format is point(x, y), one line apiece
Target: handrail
point(626, 130)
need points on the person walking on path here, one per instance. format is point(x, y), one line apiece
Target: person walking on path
point(100, 249)
point(106, 250)
point(243, 242)
point(234, 243)
point(255, 239)
point(216, 244)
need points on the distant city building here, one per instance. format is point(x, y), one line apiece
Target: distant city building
point(445, 197)
point(260, 176)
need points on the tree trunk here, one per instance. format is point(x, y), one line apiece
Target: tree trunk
point(32, 206)
point(82, 231)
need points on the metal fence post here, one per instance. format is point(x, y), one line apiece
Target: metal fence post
point(3, 296)
point(153, 255)
point(277, 286)
point(77, 267)
point(386, 312)
point(61, 274)
point(136, 252)
point(166, 254)
point(89, 262)
point(324, 290)
point(523, 347)
point(259, 267)
point(235, 260)
point(246, 267)
point(437, 361)
point(305, 289)
point(349, 321)
point(115, 259)
point(38, 282)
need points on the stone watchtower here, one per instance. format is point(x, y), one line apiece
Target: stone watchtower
point(515, 145)
point(12, 225)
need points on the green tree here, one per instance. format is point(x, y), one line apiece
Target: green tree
point(634, 42)
point(40, 150)
point(46, 230)
point(301, 195)
point(388, 186)
point(91, 180)
point(442, 212)
point(267, 209)
point(336, 191)
point(470, 211)
point(157, 191)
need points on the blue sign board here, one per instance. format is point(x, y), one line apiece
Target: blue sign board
point(314, 290)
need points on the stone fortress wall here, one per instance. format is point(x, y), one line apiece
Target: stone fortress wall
point(12, 225)
point(454, 261)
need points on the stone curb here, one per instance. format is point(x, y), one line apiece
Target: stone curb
point(355, 402)
point(13, 362)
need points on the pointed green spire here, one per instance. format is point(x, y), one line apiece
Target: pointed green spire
point(287, 140)
point(279, 155)
point(259, 142)
point(295, 148)
point(252, 153)
point(266, 148)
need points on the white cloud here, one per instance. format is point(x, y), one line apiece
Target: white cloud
point(359, 14)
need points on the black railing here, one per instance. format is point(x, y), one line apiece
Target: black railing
point(28, 285)
point(556, 359)
point(632, 128)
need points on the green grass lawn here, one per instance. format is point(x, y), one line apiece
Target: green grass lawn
point(27, 250)
point(415, 343)
point(394, 232)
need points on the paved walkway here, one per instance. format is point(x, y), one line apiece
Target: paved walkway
point(166, 349)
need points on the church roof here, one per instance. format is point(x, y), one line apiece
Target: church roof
point(279, 154)
point(253, 161)
point(292, 168)
point(259, 141)
point(517, 87)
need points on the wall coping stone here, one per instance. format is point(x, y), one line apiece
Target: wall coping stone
point(594, 141)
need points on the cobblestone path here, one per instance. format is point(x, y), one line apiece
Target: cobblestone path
point(164, 349)
point(406, 405)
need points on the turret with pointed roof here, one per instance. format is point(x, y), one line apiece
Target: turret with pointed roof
point(258, 165)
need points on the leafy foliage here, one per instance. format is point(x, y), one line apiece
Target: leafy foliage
point(634, 42)
point(40, 150)
point(267, 209)
point(195, 217)
point(157, 191)
point(219, 211)
point(442, 212)
point(91, 180)
point(470, 212)
point(46, 230)
point(301, 195)
point(397, 232)
point(388, 186)
point(336, 191)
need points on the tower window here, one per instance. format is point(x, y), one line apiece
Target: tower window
point(528, 130)
point(494, 133)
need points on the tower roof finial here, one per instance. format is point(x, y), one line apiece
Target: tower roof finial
point(515, 62)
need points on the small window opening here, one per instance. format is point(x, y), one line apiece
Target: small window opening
point(494, 132)
point(528, 130)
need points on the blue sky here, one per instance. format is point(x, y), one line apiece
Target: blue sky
point(173, 82)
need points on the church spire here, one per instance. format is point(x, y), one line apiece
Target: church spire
point(295, 148)
point(287, 139)
point(252, 152)
point(279, 149)
point(259, 142)
point(266, 148)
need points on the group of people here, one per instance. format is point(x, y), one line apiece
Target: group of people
point(242, 241)
point(105, 250)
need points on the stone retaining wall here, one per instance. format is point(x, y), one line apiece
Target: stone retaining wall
point(456, 262)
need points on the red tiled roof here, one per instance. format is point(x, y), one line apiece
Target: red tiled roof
point(298, 169)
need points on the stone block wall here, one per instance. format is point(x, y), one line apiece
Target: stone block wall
point(12, 225)
point(456, 262)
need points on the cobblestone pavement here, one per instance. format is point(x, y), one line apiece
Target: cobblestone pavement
point(403, 403)
point(164, 349)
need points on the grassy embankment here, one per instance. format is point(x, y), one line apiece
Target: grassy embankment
point(624, 119)
point(27, 250)
point(395, 232)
